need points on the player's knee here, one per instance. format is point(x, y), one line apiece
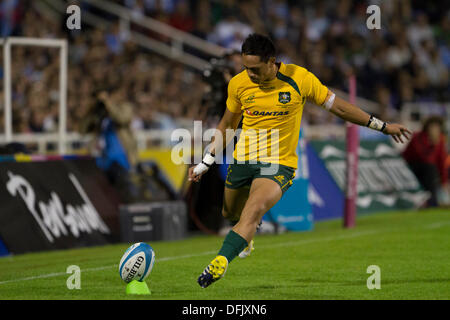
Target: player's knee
point(257, 209)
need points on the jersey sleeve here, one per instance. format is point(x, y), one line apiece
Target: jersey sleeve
point(313, 89)
point(233, 102)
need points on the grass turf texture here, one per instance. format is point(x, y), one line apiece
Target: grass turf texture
point(411, 248)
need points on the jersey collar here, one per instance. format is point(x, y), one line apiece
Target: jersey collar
point(282, 68)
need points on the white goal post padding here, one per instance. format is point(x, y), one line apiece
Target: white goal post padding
point(62, 45)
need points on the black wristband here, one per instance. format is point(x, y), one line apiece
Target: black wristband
point(376, 124)
point(208, 165)
point(383, 127)
point(370, 121)
point(210, 155)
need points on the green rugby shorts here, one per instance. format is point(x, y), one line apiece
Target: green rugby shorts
point(241, 175)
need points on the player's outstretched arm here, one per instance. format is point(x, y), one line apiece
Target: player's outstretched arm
point(230, 120)
point(352, 113)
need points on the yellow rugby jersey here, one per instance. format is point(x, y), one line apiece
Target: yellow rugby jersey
point(272, 113)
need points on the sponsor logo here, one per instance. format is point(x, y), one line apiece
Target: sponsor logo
point(250, 99)
point(135, 268)
point(267, 113)
point(55, 218)
point(280, 178)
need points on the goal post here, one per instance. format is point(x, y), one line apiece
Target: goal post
point(60, 44)
point(352, 138)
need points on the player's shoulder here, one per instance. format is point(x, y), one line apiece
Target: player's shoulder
point(295, 71)
point(238, 83)
point(240, 79)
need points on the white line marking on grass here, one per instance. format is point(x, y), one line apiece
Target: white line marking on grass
point(290, 243)
point(437, 225)
point(51, 275)
point(186, 256)
point(294, 243)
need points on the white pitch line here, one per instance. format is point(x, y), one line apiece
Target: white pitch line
point(437, 225)
point(294, 243)
point(50, 275)
point(290, 243)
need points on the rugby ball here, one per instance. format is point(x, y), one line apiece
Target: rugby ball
point(137, 262)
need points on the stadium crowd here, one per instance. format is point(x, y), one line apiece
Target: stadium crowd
point(408, 59)
point(95, 61)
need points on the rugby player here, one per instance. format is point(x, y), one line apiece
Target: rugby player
point(270, 97)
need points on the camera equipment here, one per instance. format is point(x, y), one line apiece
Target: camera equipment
point(216, 96)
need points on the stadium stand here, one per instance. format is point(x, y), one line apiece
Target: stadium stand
point(394, 65)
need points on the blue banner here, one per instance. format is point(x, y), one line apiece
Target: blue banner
point(325, 197)
point(3, 250)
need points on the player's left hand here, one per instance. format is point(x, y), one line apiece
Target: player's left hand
point(195, 173)
point(397, 131)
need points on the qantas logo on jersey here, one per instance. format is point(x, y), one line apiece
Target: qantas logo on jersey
point(267, 113)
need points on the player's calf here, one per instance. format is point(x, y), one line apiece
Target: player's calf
point(246, 227)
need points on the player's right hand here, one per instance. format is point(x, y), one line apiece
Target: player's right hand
point(397, 131)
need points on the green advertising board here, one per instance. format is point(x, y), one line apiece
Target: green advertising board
point(385, 181)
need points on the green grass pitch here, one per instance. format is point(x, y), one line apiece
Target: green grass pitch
point(412, 250)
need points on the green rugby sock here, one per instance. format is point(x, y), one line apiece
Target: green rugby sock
point(232, 246)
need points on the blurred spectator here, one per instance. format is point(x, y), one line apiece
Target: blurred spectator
point(10, 12)
point(230, 32)
point(420, 30)
point(182, 18)
point(138, 7)
point(109, 118)
point(437, 73)
point(114, 39)
point(426, 155)
point(318, 24)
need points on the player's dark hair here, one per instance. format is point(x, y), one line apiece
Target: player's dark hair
point(259, 45)
point(433, 120)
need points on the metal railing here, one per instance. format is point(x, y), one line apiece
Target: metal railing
point(46, 143)
point(76, 143)
point(178, 39)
